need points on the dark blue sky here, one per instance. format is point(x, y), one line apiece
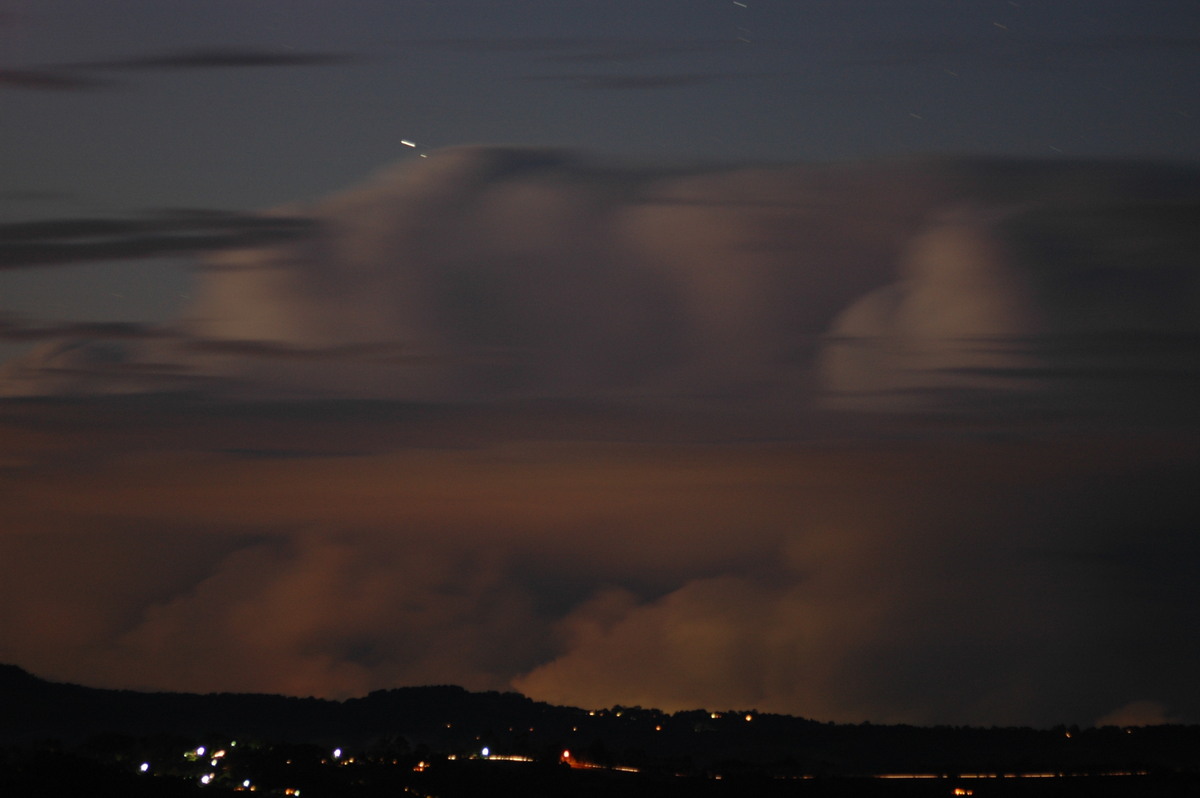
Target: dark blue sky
point(135, 105)
point(134, 122)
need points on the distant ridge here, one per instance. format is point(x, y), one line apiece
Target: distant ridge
point(450, 719)
point(33, 708)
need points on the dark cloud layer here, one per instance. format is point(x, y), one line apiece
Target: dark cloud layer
point(601, 81)
point(65, 241)
point(48, 80)
point(910, 441)
point(76, 77)
point(16, 331)
point(578, 49)
point(599, 52)
point(1016, 49)
point(219, 57)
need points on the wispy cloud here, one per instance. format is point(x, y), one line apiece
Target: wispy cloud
point(49, 80)
point(620, 51)
point(635, 82)
point(11, 330)
point(70, 241)
point(76, 76)
point(273, 350)
point(1006, 48)
point(577, 49)
point(597, 52)
point(220, 57)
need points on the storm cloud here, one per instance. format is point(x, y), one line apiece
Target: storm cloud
point(60, 242)
point(909, 441)
point(524, 273)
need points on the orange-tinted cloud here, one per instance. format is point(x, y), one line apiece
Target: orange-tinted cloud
point(330, 552)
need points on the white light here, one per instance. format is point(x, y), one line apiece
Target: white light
point(246, 783)
point(206, 778)
point(200, 751)
point(408, 143)
point(145, 767)
point(337, 753)
point(485, 751)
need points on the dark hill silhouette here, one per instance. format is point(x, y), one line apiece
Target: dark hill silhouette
point(448, 719)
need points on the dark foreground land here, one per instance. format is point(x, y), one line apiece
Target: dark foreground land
point(444, 742)
point(49, 775)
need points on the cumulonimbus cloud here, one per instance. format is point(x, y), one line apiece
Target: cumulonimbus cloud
point(510, 272)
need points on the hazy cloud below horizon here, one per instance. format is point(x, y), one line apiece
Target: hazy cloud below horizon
point(591, 560)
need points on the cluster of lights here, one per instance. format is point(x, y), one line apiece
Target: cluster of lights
point(198, 754)
point(214, 760)
point(485, 752)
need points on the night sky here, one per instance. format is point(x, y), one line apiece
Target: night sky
point(832, 358)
